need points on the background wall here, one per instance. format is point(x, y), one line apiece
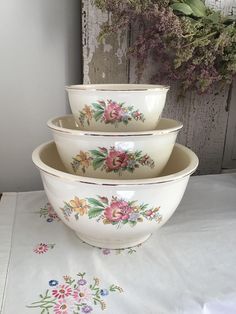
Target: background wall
point(40, 53)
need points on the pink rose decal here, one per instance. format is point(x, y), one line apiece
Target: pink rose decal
point(118, 210)
point(109, 112)
point(116, 159)
point(113, 112)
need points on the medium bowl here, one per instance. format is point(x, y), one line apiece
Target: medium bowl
point(114, 213)
point(117, 107)
point(109, 155)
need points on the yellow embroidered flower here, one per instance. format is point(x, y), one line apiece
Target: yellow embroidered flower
point(79, 205)
point(88, 112)
point(84, 159)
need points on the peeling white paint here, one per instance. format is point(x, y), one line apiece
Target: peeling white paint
point(121, 51)
point(92, 21)
point(93, 18)
point(106, 47)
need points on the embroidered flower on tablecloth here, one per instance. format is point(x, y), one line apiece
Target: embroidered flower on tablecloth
point(64, 306)
point(87, 309)
point(62, 291)
point(73, 295)
point(43, 248)
point(53, 283)
point(48, 213)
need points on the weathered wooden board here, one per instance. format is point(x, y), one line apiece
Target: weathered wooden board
point(103, 62)
point(204, 117)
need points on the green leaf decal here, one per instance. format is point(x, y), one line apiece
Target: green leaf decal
point(98, 162)
point(94, 202)
point(98, 114)
point(95, 211)
point(98, 106)
point(98, 153)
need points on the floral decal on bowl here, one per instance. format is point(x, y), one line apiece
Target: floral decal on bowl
point(117, 211)
point(109, 112)
point(48, 213)
point(73, 295)
point(111, 160)
point(42, 248)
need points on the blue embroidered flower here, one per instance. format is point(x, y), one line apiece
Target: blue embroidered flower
point(49, 220)
point(53, 283)
point(87, 309)
point(104, 292)
point(82, 282)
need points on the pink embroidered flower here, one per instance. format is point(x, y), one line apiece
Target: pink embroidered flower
point(113, 112)
point(62, 291)
point(41, 248)
point(51, 213)
point(118, 210)
point(64, 306)
point(82, 294)
point(116, 160)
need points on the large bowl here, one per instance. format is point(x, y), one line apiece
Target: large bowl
point(109, 155)
point(117, 107)
point(114, 213)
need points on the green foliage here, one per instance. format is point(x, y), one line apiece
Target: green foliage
point(190, 43)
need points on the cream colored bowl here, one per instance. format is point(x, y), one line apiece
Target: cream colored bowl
point(128, 155)
point(114, 213)
point(117, 107)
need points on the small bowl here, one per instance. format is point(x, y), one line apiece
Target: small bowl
point(117, 107)
point(114, 213)
point(109, 155)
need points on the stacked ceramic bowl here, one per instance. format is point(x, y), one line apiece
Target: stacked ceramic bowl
point(114, 173)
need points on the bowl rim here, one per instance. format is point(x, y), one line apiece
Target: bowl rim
point(112, 182)
point(121, 88)
point(52, 126)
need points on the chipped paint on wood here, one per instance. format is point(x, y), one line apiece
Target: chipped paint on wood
point(104, 61)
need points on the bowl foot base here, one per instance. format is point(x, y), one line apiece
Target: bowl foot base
point(115, 244)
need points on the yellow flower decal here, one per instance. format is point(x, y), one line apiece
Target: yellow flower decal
point(88, 112)
point(79, 205)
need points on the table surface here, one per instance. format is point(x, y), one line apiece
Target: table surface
point(188, 266)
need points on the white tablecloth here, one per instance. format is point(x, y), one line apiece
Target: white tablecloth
point(188, 266)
